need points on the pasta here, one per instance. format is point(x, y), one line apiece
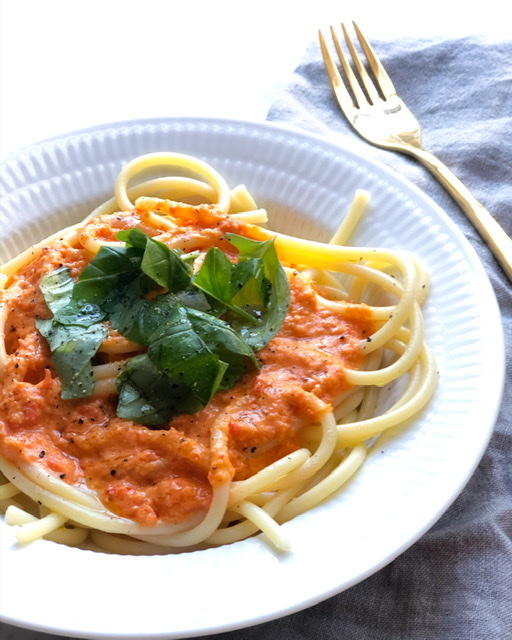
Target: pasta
point(241, 483)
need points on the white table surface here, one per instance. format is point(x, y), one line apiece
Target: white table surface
point(66, 65)
point(70, 64)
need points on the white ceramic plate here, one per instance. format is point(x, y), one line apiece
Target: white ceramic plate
point(404, 487)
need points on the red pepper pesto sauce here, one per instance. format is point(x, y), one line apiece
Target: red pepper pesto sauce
point(151, 475)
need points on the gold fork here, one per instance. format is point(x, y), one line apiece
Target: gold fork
point(379, 116)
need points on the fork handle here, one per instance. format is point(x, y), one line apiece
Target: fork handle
point(490, 230)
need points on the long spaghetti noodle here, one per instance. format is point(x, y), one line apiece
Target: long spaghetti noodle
point(236, 494)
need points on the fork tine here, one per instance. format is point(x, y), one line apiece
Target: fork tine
point(383, 80)
point(344, 98)
point(365, 79)
point(351, 78)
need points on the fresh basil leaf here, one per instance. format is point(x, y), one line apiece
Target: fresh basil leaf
point(224, 342)
point(198, 352)
point(191, 298)
point(72, 348)
point(152, 397)
point(273, 286)
point(218, 334)
point(133, 237)
point(125, 314)
point(257, 250)
point(111, 268)
point(177, 350)
point(57, 290)
point(74, 334)
point(248, 284)
point(148, 396)
point(81, 314)
point(163, 265)
point(137, 318)
point(214, 278)
point(124, 306)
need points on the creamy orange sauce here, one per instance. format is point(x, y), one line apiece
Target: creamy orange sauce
point(152, 475)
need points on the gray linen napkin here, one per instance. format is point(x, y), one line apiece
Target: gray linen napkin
point(456, 582)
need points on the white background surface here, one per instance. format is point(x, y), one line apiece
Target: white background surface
point(70, 64)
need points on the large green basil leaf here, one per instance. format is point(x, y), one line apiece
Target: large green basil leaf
point(111, 268)
point(163, 265)
point(178, 351)
point(150, 397)
point(215, 279)
point(272, 285)
point(72, 348)
point(226, 343)
point(74, 334)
